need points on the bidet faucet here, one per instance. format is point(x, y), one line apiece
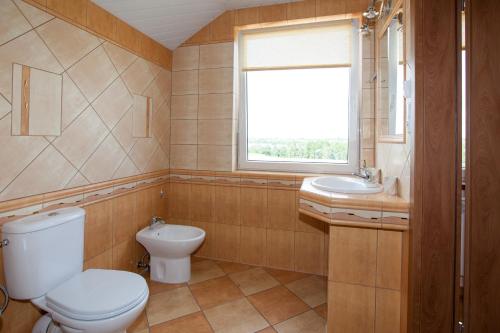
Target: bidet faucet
point(156, 220)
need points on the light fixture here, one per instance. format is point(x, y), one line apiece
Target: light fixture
point(370, 13)
point(365, 29)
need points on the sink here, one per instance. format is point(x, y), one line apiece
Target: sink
point(348, 185)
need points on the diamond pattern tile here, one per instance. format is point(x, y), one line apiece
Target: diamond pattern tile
point(96, 142)
point(58, 34)
point(93, 73)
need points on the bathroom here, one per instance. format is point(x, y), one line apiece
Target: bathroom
point(249, 166)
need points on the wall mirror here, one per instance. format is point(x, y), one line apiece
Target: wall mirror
point(391, 105)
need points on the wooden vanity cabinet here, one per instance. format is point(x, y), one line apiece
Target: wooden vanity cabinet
point(365, 280)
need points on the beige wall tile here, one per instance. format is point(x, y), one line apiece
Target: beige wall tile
point(93, 73)
point(367, 72)
point(184, 132)
point(123, 131)
point(59, 34)
point(138, 76)
point(215, 106)
point(185, 82)
point(254, 210)
point(227, 242)
point(227, 204)
point(120, 57)
point(50, 171)
point(98, 229)
point(102, 164)
point(215, 158)
point(82, 137)
point(207, 248)
point(367, 133)
point(387, 314)
point(202, 203)
point(123, 256)
point(73, 102)
point(367, 45)
point(368, 103)
point(368, 155)
point(215, 132)
point(353, 253)
point(281, 209)
point(142, 152)
point(45, 103)
point(185, 107)
point(253, 246)
point(123, 217)
point(126, 169)
point(34, 15)
point(29, 50)
point(216, 81)
point(280, 249)
point(216, 55)
point(309, 253)
point(353, 306)
point(389, 259)
point(12, 22)
point(141, 116)
point(186, 58)
point(183, 156)
point(112, 104)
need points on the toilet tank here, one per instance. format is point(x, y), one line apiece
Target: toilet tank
point(43, 250)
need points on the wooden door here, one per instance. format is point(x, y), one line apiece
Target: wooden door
point(482, 275)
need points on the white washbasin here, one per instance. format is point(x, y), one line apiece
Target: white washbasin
point(348, 185)
point(170, 247)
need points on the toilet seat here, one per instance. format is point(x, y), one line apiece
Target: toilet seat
point(97, 294)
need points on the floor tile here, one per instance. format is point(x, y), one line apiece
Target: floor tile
point(312, 290)
point(193, 323)
point(322, 310)
point(309, 322)
point(215, 292)
point(205, 270)
point(158, 287)
point(232, 267)
point(267, 330)
point(278, 304)
point(140, 325)
point(286, 276)
point(235, 317)
point(170, 305)
point(253, 280)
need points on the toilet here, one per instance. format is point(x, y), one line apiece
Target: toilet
point(43, 262)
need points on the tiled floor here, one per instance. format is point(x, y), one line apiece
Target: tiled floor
point(235, 298)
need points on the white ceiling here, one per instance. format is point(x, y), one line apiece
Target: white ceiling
point(171, 22)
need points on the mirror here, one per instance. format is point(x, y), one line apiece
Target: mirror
point(391, 105)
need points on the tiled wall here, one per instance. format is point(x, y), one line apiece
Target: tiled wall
point(112, 220)
point(98, 82)
point(203, 120)
point(252, 219)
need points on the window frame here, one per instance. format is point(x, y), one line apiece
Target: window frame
point(304, 167)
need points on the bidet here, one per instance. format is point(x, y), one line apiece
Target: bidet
point(170, 247)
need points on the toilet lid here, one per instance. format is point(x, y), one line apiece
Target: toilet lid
point(98, 294)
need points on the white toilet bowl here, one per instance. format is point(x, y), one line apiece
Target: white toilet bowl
point(94, 301)
point(170, 247)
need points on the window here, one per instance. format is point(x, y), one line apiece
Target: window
point(299, 100)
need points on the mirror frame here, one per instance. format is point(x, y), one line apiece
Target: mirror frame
point(380, 29)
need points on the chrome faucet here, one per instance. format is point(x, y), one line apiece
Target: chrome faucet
point(365, 173)
point(156, 220)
